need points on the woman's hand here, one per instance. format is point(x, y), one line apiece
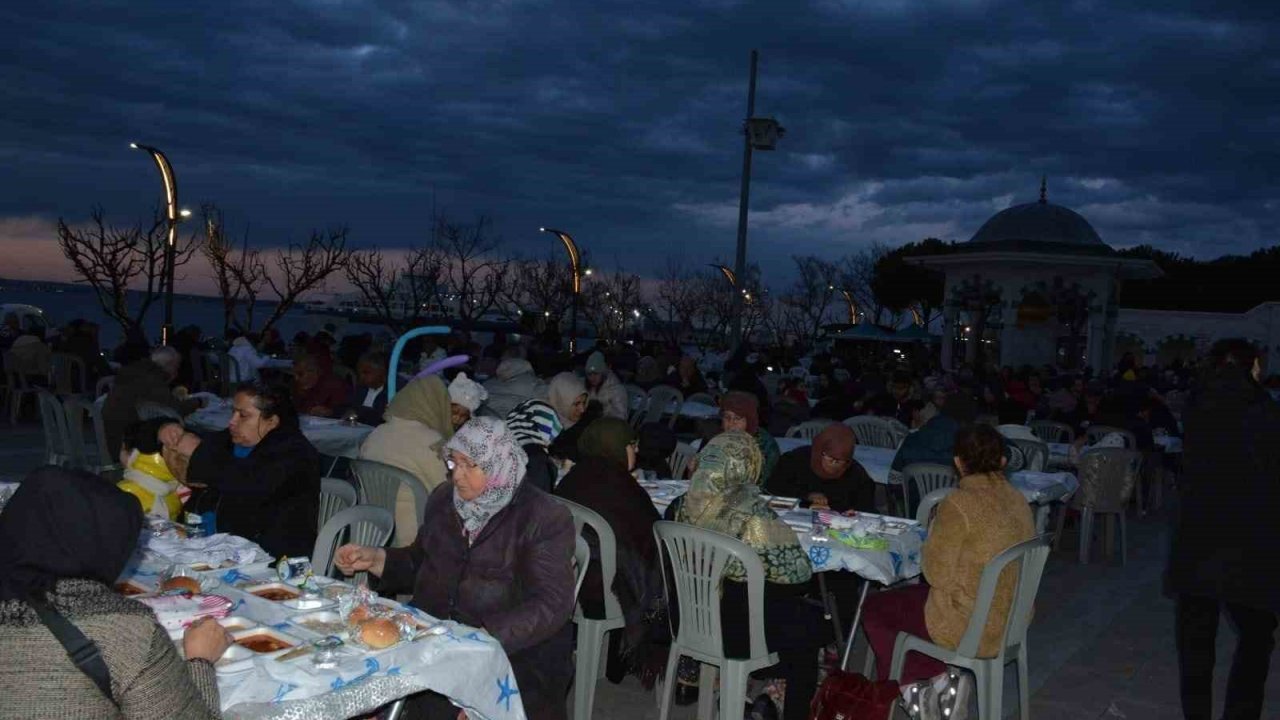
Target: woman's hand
point(818, 501)
point(170, 434)
point(187, 444)
point(205, 640)
point(352, 559)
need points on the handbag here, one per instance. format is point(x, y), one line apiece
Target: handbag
point(82, 651)
point(942, 697)
point(851, 696)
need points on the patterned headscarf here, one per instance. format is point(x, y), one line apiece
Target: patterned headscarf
point(724, 496)
point(425, 400)
point(533, 422)
point(492, 447)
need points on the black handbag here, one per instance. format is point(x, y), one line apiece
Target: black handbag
point(82, 651)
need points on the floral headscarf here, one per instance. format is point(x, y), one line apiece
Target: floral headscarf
point(724, 496)
point(492, 447)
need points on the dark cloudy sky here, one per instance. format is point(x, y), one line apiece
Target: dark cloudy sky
point(618, 121)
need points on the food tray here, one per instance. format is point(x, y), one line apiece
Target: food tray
point(273, 587)
point(233, 623)
point(239, 658)
point(323, 623)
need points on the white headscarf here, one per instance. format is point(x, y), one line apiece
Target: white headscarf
point(493, 449)
point(467, 392)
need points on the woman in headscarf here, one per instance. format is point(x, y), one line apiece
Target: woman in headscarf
point(492, 552)
point(825, 475)
point(648, 372)
point(417, 423)
point(465, 397)
point(567, 393)
point(535, 424)
point(741, 411)
point(657, 442)
point(65, 537)
point(601, 480)
point(724, 496)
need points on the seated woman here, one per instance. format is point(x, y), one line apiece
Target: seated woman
point(316, 390)
point(657, 442)
point(465, 398)
point(825, 475)
point(535, 425)
point(65, 537)
point(741, 411)
point(495, 553)
point(417, 424)
point(724, 496)
point(567, 393)
point(981, 518)
point(601, 480)
point(260, 477)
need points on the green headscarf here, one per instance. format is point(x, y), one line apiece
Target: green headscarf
point(607, 439)
point(425, 400)
point(724, 496)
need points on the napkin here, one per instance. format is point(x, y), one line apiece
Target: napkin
point(213, 550)
point(175, 612)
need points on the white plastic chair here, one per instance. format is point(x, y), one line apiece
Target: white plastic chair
point(16, 387)
point(104, 385)
point(874, 431)
point(1096, 432)
point(592, 631)
point(581, 559)
point(637, 404)
point(1107, 479)
point(94, 456)
point(926, 478)
point(680, 459)
point(924, 513)
point(698, 559)
point(380, 484)
point(989, 672)
point(53, 420)
point(662, 397)
point(704, 398)
point(69, 375)
point(1051, 431)
point(336, 495)
point(361, 525)
point(808, 430)
point(1034, 454)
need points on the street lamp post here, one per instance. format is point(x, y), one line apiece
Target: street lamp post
point(575, 267)
point(853, 305)
point(758, 134)
point(171, 241)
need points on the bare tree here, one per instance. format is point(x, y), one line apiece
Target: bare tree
point(676, 302)
point(114, 260)
point(474, 273)
point(540, 287)
point(806, 302)
point(857, 274)
point(403, 294)
point(303, 267)
point(239, 274)
point(611, 302)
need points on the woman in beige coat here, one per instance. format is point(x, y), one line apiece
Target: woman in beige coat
point(417, 425)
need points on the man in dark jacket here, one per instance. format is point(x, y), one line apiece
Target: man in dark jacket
point(1225, 534)
point(145, 380)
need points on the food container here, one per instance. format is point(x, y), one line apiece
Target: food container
point(324, 622)
point(273, 591)
point(309, 602)
point(236, 623)
point(265, 640)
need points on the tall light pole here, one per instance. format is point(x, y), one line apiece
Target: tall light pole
point(171, 242)
point(853, 305)
point(758, 134)
point(729, 275)
point(575, 267)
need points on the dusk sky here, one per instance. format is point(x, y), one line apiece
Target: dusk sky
point(619, 122)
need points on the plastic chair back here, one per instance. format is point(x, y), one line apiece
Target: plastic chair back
point(637, 403)
point(581, 559)
point(336, 495)
point(663, 398)
point(680, 459)
point(585, 517)
point(875, 431)
point(1107, 478)
point(69, 375)
point(702, 397)
point(924, 513)
point(53, 420)
point(1096, 432)
point(1035, 454)
point(808, 430)
point(928, 477)
point(360, 525)
point(380, 483)
point(94, 457)
point(1032, 555)
point(1051, 431)
point(698, 559)
point(104, 385)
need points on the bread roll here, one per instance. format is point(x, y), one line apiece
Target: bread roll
point(358, 614)
point(379, 633)
point(181, 582)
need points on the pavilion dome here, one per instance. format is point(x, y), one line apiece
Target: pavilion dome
point(1038, 222)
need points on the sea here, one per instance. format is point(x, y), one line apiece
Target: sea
point(63, 302)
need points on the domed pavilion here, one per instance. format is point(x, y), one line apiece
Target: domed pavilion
point(1035, 285)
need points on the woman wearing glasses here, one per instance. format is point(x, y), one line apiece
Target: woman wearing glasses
point(825, 475)
point(493, 552)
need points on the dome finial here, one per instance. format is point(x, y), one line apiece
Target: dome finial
point(1044, 190)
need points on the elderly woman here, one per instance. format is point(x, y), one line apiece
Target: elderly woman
point(316, 390)
point(465, 397)
point(535, 425)
point(981, 518)
point(601, 480)
point(65, 537)
point(724, 496)
point(260, 477)
point(741, 411)
point(825, 475)
point(417, 424)
point(495, 553)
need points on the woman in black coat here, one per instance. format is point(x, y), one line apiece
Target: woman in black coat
point(260, 477)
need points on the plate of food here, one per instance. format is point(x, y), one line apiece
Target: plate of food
point(274, 591)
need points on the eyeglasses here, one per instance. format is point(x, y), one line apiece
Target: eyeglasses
point(834, 461)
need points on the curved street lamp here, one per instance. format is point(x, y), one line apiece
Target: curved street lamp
point(170, 250)
point(575, 267)
point(853, 305)
point(728, 275)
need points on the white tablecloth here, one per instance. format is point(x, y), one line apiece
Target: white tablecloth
point(463, 663)
point(330, 436)
point(900, 561)
point(691, 410)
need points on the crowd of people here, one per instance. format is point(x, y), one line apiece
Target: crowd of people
point(498, 431)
